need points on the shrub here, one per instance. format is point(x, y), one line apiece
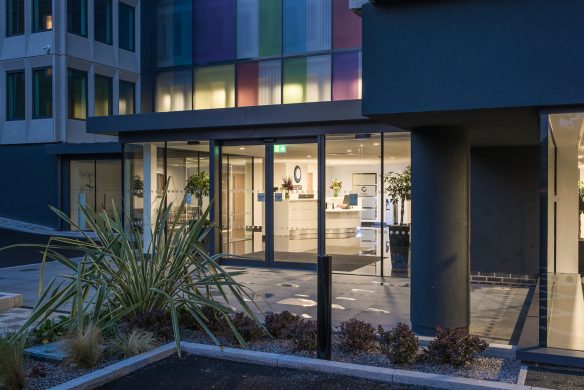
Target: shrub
point(37, 370)
point(455, 347)
point(49, 330)
point(400, 344)
point(12, 365)
point(84, 347)
point(134, 343)
point(279, 324)
point(247, 327)
point(303, 335)
point(157, 322)
point(356, 335)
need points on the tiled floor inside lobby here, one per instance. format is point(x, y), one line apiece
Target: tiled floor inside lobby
point(495, 311)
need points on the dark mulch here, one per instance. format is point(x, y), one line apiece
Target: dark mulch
point(195, 372)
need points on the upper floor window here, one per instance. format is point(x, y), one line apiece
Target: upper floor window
point(77, 94)
point(15, 95)
point(307, 26)
point(127, 104)
point(42, 93)
point(174, 32)
point(103, 21)
point(14, 17)
point(103, 96)
point(42, 15)
point(174, 90)
point(77, 17)
point(127, 27)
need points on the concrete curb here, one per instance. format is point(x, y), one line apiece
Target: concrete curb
point(388, 375)
point(10, 301)
point(114, 371)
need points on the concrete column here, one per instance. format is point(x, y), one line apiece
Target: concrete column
point(150, 166)
point(440, 269)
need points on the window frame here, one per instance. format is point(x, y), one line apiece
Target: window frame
point(110, 96)
point(133, 84)
point(86, 97)
point(34, 70)
point(22, 20)
point(128, 7)
point(8, 116)
point(109, 15)
point(34, 20)
point(80, 34)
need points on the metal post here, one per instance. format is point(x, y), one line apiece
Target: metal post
point(324, 269)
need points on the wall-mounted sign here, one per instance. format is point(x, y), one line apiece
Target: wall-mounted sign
point(261, 196)
point(280, 148)
point(278, 196)
point(297, 174)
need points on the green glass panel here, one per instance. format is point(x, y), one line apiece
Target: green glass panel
point(295, 80)
point(270, 35)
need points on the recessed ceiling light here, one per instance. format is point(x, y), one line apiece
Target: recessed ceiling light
point(361, 145)
point(309, 156)
point(242, 148)
point(376, 144)
point(349, 150)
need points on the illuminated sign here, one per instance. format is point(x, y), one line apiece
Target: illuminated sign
point(279, 148)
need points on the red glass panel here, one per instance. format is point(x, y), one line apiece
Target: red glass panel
point(247, 84)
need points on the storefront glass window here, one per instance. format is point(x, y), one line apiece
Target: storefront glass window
point(214, 87)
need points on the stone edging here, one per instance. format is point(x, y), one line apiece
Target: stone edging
point(389, 375)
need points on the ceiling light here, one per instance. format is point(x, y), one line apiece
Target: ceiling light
point(361, 145)
point(242, 148)
point(349, 150)
point(376, 144)
point(309, 156)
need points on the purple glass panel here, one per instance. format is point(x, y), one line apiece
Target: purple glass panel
point(346, 26)
point(346, 75)
point(214, 31)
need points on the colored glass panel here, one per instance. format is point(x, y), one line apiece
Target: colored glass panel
point(247, 28)
point(247, 84)
point(174, 91)
point(214, 87)
point(346, 26)
point(307, 25)
point(295, 26)
point(319, 25)
point(270, 37)
point(174, 32)
point(270, 82)
point(318, 78)
point(294, 80)
point(347, 76)
point(214, 30)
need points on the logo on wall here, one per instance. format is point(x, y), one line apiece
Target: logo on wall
point(297, 174)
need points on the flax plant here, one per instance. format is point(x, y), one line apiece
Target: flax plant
point(120, 277)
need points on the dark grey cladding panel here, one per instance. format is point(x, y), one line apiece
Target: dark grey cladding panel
point(87, 148)
point(244, 117)
point(445, 56)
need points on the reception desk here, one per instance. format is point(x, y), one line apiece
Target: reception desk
point(296, 225)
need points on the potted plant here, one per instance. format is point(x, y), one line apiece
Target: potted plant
point(336, 186)
point(287, 186)
point(198, 186)
point(398, 188)
point(138, 187)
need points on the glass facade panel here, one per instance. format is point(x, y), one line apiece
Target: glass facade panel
point(42, 15)
point(77, 94)
point(77, 17)
point(42, 93)
point(214, 19)
point(307, 79)
point(81, 191)
point(103, 96)
point(307, 26)
point(15, 95)
point(103, 21)
point(127, 28)
point(259, 28)
point(346, 26)
point(347, 76)
point(108, 187)
point(134, 183)
point(14, 17)
point(174, 32)
point(127, 103)
point(174, 91)
point(214, 87)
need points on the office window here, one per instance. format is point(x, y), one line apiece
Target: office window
point(214, 19)
point(347, 76)
point(77, 91)
point(14, 17)
point(126, 104)
point(259, 28)
point(42, 93)
point(15, 95)
point(103, 21)
point(307, 25)
point(103, 96)
point(126, 27)
point(346, 26)
point(42, 15)
point(174, 91)
point(77, 17)
point(174, 32)
point(307, 79)
point(259, 83)
point(214, 87)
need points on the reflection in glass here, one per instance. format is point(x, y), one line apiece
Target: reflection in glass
point(103, 95)
point(15, 95)
point(77, 94)
point(127, 104)
point(42, 92)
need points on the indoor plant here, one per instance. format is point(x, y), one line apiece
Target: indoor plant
point(398, 188)
point(198, 185)
point(287, 186)
point(336, 186)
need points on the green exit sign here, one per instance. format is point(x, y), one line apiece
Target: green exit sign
point(279, 148)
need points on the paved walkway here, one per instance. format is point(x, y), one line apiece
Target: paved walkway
point(494, 310)
point(27, 227)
